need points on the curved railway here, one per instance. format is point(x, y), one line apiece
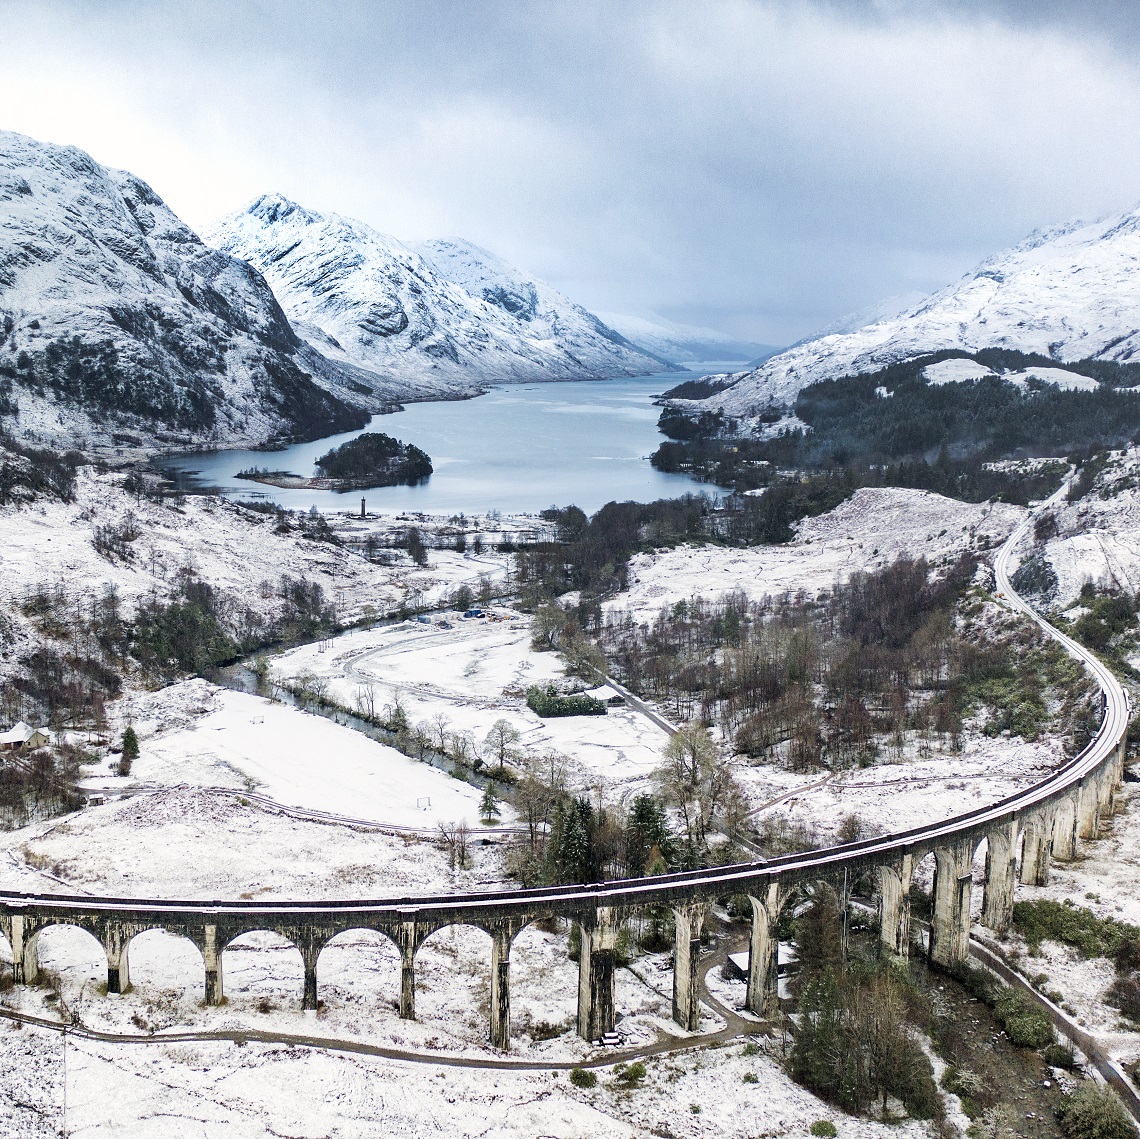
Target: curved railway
point(1023, 833)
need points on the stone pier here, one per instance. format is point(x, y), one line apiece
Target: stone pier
point(502, 936)
point(763, 988)
point(116, 941)
point(1001, 881)
point(1065, 826)
point(950, 919)
point(212, 959)
point(687, 923)
point(596, 1013)
point(1035, 850)
point(894, 906)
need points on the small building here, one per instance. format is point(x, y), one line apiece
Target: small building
point(22, 735)
point(15, 736)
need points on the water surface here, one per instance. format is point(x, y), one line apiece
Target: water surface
point(520, 448)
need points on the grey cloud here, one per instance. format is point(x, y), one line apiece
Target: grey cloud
point(762, 167)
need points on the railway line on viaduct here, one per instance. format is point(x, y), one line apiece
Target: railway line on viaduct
point(1022, 833)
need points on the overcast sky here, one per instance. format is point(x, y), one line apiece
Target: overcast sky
point(762, 166)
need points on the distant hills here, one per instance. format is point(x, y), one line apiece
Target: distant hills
point(1068, 293)
point(687, 343)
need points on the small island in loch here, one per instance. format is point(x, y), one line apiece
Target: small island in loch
point(370, 460)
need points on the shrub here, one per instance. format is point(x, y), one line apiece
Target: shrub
point(824, 1128)
point(581, 1078)
point(630, 1076)
point(1124, 992)
point(1026, 1023)
point(1059, 1056)
point(751, 1078)
point(1071, 925)
point(1094, 1112)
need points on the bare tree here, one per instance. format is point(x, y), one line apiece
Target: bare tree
point(500, 741)
point(366, 701)
point(439, 725)
point(456, 837)
point(696, 781)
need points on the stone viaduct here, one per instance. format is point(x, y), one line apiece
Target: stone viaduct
point(1022, 833)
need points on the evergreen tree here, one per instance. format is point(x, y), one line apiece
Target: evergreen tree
point(647, 838)
point(489, 805)
point(130, 751)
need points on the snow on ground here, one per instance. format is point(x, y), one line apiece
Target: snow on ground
point(959, 371)
point(209, 1090)
point(895, 796)
point(196, 844)
point(293, 757)
point(955, 371)
point(51, 543)
point(1105, 878)
point(476, 673)
point(871, 529)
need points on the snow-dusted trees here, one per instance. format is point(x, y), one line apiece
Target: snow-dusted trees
point(500, 742)
point(697, 783)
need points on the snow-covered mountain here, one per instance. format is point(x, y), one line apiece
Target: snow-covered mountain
point(118, 326)
point(431, 320)
point(685, 343)
point(1069, 292)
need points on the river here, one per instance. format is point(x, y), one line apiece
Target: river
point(518, 449)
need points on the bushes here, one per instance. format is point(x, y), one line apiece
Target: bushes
point(548, 703)
point(1071, 925)
point(824, 1129)
point(1094, 1112)
point(1025, 1022)
point(581, 1078)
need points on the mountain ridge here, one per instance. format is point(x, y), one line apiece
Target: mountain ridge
point(119, 327)
point(1069, 292)
point(435, 319)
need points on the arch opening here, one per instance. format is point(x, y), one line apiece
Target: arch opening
point(360, 969)
point(263, 970)
point(162, 961)
point(71, 961)
point(544, 982)
point(453, 980)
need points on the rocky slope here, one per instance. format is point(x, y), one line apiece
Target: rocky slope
point(438, 319)
point(118, 327)
point(1069, 292)
point(685, 343)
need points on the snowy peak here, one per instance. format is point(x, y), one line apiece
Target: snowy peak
point(1068, 292)
point(117, 325)
point(437, 319)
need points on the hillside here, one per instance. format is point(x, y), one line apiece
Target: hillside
point(1069, 292)
point(436, 320)
point(118, 327)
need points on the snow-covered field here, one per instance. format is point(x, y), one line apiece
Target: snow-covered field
point(871, 529)
point(51, 545)
point(474, 674)
point(253, 1091)
point(196, 734)
point(897, 796)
